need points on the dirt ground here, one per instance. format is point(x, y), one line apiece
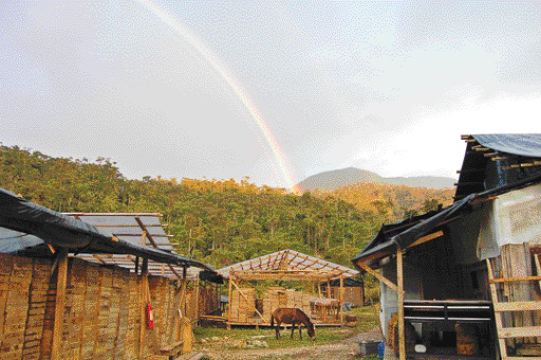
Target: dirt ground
point(344, 349)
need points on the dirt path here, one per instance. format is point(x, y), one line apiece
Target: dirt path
point(344, 349)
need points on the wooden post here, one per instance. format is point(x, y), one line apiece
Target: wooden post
point(197, 289)
point(61, 282)
point(143, 297)
point(328, 289)
point(401, 323)
point(341, 298)
point(229, 300)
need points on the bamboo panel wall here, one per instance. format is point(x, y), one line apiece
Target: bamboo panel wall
point(102, 313)
point(242, 307)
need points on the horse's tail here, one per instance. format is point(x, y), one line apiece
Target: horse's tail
point(272, 320)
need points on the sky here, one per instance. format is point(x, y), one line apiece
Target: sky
point(276, 91)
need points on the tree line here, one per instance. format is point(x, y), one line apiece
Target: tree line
point(217, 221)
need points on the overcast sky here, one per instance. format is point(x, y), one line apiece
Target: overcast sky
point(387, 87)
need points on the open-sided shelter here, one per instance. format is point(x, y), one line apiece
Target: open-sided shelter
point(55, 303)
point(285, 265)
point(464, 281)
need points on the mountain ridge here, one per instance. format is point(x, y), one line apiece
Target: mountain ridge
point(334, 179)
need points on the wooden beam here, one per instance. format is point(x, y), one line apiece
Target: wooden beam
point(61, 282)
point(518, 306)
point(341, 298)
point(378, 276)
point(154, 244)
point(519, 332)
point(401, 322)
point(142, 299)
point(515, 279)
point(424, 239)
point(498, 320)
point(229, 297)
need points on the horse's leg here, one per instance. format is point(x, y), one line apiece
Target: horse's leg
point(292, 329)
point(277, 328)
point(300, 331)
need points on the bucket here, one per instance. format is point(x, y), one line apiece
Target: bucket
point(368, 347)
point(381, 349)
point(467, 339)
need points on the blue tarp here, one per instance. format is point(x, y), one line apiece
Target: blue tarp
point(527, 145)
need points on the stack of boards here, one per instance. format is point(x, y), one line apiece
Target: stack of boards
point(243, 307)
point(276, 297)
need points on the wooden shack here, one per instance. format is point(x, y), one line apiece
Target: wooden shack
point(246, 307)
point(464, 280)
point(63, 294)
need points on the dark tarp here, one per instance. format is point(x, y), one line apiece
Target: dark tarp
point(63, 231)
point(527, 145)
point(410, 230)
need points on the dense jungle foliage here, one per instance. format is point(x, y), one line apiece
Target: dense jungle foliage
point(216, 221)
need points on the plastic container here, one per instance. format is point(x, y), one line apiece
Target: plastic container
point(381, 349)
point(368, 347)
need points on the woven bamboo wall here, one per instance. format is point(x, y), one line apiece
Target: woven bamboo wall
point(102, 314)
point(243, 309)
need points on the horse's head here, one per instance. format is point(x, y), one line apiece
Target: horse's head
point(311, 331)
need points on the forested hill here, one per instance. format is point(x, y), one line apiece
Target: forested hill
point(220, 222)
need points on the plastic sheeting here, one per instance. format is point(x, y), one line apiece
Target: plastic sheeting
point(513, 218)
point(19, 214)
point(528, 145)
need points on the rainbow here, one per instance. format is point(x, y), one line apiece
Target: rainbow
point(186, 34)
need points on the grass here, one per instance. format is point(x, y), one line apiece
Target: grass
point(323, 336)
point(367, 320)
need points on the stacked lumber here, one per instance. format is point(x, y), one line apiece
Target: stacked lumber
point(279, 297)
point(242, 307)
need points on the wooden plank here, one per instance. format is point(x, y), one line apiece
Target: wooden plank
point(518, 306)
point(401, 323)
point(197, 289)
point(522, 358)
point(61, 282)
point(515, 279)
point(378, 276)
point(142, 302)
point(497, 315)
point(523, 331)
point(424, 239)
point(229, 298)
point(341, 298)
point(537, 259)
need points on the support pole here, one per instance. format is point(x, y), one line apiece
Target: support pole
point(328, 289)
point(61, 282)
point(341, 298)
point(197, 289)
point(230, 292)
point(400, 294)
point(143, 297)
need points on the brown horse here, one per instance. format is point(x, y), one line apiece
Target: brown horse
point(292, 316)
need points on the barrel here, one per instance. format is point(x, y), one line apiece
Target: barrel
point(467, 339)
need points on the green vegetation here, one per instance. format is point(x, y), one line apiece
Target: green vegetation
point(219, 222)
